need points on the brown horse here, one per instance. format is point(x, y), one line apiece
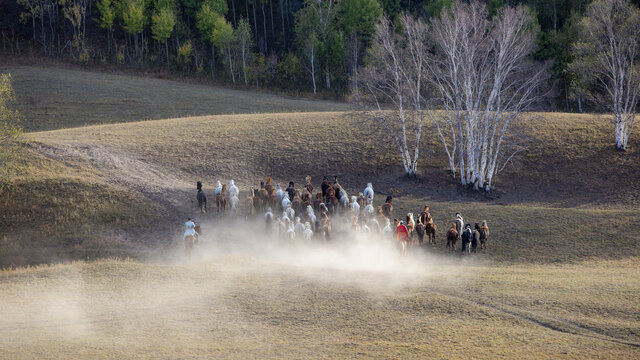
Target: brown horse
point(221, 200)
point(452, 237)
point(484, 234)
point(262, 198)
point(430, 229)
point(308, 186)
point(361, 201)
point(249, 204)
point(296, 202)
point(317, 202)
point(270, 189)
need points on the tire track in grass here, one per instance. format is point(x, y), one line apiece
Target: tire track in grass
point(547, 321)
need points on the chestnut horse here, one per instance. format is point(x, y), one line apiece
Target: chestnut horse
point(221, 200)
point(484, 234)
point(430, 229)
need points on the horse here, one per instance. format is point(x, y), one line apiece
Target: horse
point(387, 208)
point(410, 223)
point(233, 190)
point(218, 188)
point(330, 193)
point(189, 243)
point(272, 200)
point(317, 202)
point(368, 192)
point(344, 199)
point(308, 233)
point(425, 216)
point(325, 185)
point(270, 189)
point(475, 238)
point(262, 196)
point(234, 204)
point(221, 199)
point(296, 202)
point(452, 236)
point(285, 202)
point(484, 234)
point(361, 201)
point(355, 207)
point(279, 193)
point(368, 210)
point(202, 201)
point(249, 204)
point(420, 231)
point(430, 229)
point(308, 186)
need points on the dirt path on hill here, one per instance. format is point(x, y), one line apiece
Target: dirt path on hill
point(169, 189)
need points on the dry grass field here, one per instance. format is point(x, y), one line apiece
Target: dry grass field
point(60, 97)
point(559, 280)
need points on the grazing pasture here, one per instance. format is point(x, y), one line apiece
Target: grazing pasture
point(559, 277)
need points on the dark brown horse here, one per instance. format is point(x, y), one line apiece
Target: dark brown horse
point(420, 232)
point(387, 208)
point(452, 237)
point(317, 202)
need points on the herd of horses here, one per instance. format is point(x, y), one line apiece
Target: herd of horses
point(309, 215)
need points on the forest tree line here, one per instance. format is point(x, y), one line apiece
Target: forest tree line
point(300, 45)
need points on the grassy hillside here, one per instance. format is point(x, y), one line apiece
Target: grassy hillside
point(569, 159)
point(56, 211)
point(59, 97)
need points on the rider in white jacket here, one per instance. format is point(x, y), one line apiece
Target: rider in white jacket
point(190, 229)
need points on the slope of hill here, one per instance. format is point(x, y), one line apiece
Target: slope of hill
point(60, 97)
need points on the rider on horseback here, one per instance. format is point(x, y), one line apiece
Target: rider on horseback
point(190, 229)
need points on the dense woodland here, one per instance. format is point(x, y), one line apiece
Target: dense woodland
point(299, 45)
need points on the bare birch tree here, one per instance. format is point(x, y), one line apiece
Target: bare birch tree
point(482, 77)
point(608, 60)
point(395, 76)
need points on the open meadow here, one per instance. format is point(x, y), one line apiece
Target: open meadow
point(91, 234)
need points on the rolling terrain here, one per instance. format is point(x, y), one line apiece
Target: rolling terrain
point(559, 280)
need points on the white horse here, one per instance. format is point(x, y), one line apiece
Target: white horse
point(299, 227)
point(279, 193)
point(387, 227)
point(368, 210)
point(355, 207)
point(368, 193)
point(311, 214)
point(218, 188)
point(234, 204)
point(233, 190)
point(291, 214)
point(344, 199)
point(285, 202)
point(308, 233)
point(374, 225)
